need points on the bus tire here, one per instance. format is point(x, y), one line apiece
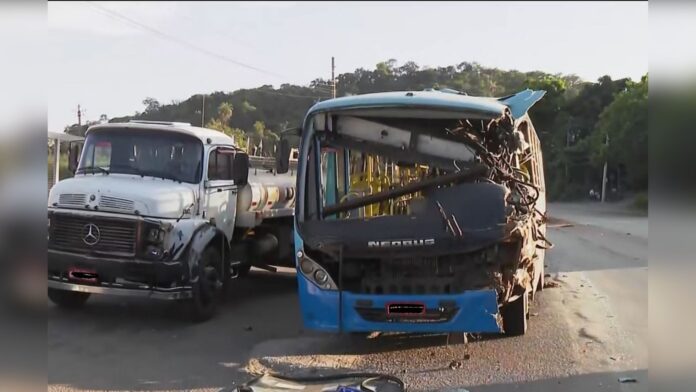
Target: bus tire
point(515, 316)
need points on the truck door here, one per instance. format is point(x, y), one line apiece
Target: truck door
point(220, 189)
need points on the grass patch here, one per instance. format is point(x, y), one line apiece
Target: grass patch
point(64, 170)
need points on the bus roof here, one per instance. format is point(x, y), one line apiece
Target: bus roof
point(445, 103)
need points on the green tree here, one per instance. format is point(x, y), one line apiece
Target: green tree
point(151, 105)
point(225, 111)
point(264, 138)
point(566, 119)
point(625, 123)
point(221, 123)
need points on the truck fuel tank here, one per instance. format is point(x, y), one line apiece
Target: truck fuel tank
point(259, 197)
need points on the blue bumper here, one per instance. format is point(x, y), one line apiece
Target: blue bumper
point(472, 311)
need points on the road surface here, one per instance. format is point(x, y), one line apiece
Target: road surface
point(584, 334)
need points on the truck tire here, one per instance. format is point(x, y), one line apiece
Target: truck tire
point(67, 299)
point(515, 316)
point(243, 270)
point(207, 290)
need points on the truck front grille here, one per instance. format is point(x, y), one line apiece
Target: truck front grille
point(115, 203)
point(72, 199)
point(114, 236)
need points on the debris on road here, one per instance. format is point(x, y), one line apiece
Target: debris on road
point(455, 365)
point(551, 284)
point(625, 380)
point(248, 328)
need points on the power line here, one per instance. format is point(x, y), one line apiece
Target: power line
point(180, 41)
point(218, 31)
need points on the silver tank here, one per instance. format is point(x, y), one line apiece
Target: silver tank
point(266, 191)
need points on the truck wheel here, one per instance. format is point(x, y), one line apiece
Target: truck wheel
point(202, 306)
point(515, 316)
point(243, 270)
point(67, 299)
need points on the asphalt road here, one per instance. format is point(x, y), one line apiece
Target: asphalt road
point(584, 334)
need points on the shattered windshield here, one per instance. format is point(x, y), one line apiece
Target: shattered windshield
point(386, 167)
point(147, 153)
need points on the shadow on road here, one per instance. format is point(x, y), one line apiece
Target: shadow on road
point(113, 312)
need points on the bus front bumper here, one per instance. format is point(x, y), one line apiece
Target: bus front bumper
point(474, 311)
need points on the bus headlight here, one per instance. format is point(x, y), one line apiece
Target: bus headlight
point(315, 272)
point(307, 266)
point(321, 277)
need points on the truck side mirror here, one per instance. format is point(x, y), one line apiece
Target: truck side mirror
point(73, 157)
point(240, 168)
point(283, 156)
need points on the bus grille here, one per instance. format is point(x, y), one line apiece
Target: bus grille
point(115, 236)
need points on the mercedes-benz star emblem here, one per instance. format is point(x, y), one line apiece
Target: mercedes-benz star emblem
point(90, 234)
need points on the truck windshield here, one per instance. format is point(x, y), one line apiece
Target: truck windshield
point(148, 153)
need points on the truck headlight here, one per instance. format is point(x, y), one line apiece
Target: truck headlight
point(154, 252)
point(155, 235)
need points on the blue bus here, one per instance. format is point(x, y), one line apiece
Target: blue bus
point(419, 211)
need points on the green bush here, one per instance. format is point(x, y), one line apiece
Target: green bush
point(640, 202)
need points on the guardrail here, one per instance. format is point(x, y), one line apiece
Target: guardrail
point(267, 163)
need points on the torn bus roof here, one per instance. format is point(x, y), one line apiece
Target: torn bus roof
point(432, 104)
point(520, 103)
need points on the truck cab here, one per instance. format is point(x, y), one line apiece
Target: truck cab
point(161, 210)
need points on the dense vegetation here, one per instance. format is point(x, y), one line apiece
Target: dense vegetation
point(574, 120)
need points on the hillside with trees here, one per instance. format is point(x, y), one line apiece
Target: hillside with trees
point(574, 120)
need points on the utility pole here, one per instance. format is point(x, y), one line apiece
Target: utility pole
point(79, 115)
point(604, 174)
point(203, 112)
point(333, 78)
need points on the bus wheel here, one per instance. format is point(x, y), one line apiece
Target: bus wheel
point(202, 306)
point(515, 316)
point(67, 299)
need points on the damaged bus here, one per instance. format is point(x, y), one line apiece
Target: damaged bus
point(419, 212)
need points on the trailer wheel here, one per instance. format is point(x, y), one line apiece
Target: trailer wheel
point(67, 299)
point(515, 316)
point(203, 304)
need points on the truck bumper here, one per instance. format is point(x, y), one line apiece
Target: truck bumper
point(114, 276)
point(473, 311)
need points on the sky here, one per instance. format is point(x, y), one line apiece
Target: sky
point(109, 56)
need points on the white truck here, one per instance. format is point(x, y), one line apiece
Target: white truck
point(164, 210)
